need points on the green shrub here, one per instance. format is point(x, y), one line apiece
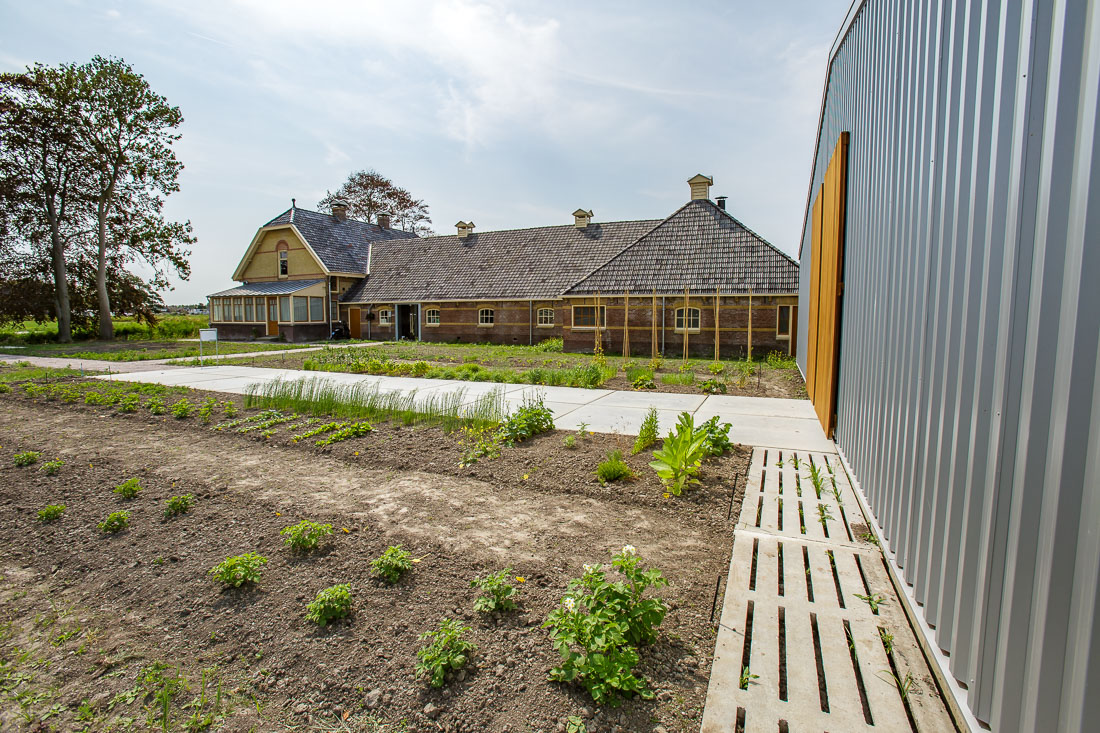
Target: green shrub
point(614, 468)
point(713, 386)
point(236, 571)
point(600, 624)
point(305, 535)
point(647, 434)
point(156, 406)
point(570, 441)
point(129, 488)
point(446, 651)
point(52, 467)
point(353, 430)
point(550, 345)
point(26, 458)
point(129, 403)
point(498, 592)
point(181, 408)
point(679, 458)
point(391, 564)
point(329, 604)
point(530, 419)
point(177, 505)
point(717, 437)
point(115, 522)
point(50, 512)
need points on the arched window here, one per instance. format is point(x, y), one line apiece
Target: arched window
point(545, 317)
point(486, 317)
point(687, 319)
point(431, 317)
point(385, 317)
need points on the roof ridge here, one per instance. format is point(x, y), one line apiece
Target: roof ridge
point(544, 226)
point(752, 232)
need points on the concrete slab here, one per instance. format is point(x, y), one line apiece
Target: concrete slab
point(769, 406)
point(575, 395)
point(619, 420)
point(660, 400)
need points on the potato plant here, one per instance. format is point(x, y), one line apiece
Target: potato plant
point(51, 512)
point(238, 570)
point(330, 604)
point(129, 488)
point(305, 535)
point(115, 522)
point(155, 405)
point(27, 458)
point(498, 592)
point(177, 505)
point(391, 564)
point(445, 651)
point(181, 408)
point(50, 468)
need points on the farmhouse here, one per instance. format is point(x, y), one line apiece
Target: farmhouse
point(697, 281)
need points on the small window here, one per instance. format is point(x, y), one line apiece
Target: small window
point(237, 309)
point(431, 317)
point(284, 263)
point(584, 316)
point(783, 322)
point(316, 309)
point(301, 309)
point(545, 317)
point(687, 319)
point(385, 317)
point(248, 314)
point(284, 309)
point(486, 317)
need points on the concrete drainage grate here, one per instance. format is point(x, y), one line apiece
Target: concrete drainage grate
point(798, 649)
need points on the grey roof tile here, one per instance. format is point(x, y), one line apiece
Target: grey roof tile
point(342, 244)
point(278, 287)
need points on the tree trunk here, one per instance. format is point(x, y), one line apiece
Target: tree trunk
point(106, 326)
point(60, 286)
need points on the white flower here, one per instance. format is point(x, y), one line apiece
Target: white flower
point(569, 604)
point(629, 550)
point(590, 568)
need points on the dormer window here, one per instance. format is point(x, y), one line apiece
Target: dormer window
point(284, 263)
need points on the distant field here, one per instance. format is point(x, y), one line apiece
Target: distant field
point(131, 350)
point(167, 328)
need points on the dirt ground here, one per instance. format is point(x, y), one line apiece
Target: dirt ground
point(83, 614)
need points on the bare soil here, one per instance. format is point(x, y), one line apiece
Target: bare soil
point(144, 595)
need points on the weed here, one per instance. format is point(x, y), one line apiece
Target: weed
point(569, 441)
point(574, 724)
point(871, 538)
point(744, 369)
point(647, 434)
point(643, 382)
point(887, 640)
point(181, 408)
point(498, 592)
point(305, 535)
point(354, 430)
point(904, 684)
point(582, 430)
point(874, 600)
point(680, 457)
point(716, 368)
point(331, 603)
point(206, 410)
point(717, 437)
point(391, 564)
point(817, 479)
point(478, 443)
point(52, 467)
point(746, 678)
point(445, 651)
point(115, 522)
point(177, 505)
point(614, 468)
point(155, 405)
point(129, 488)
point(681, 378)
point(823, 515)
point(530, 419)
point(779, 360)
point(229, 408)
point(235, 571)
point(27, 458)
point(51, 512)
point(713, 386)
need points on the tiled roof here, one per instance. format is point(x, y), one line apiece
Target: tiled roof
point(518, 263)
point(342, 244)
point(277, 287)
point(700, 247)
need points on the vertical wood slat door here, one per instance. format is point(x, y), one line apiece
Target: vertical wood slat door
point(826, 287)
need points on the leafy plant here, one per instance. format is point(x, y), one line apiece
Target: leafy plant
point(478, 443)
point(746, 678)
point(745, 369)
point(129, 488)
point(887, 640)
point(647, 434)
point(52, 467)
point(716, 368)
point(305, 535)
point(569, 441)
point(181, 408)
point(326, 428)
point(391, 564)
point(717, 437)
point(115, 522)
point(206, 410)
point(779, 360)
point(681, 455)
point(904, 684)
point(156, 406)
point(823, 515)
point(177, 505)
point(445, 651)
point(238, 570)
point(713, 386)
point(331, 603)
point(874, 600)
point(27, 458)
point(530, 419)
point(574, 724)
point(129, 403)
point(817, 479)
point(50, 512)
point(229, 408)
point(354, 430)
point(614, 468)
point(498, 592)
point(643, 382)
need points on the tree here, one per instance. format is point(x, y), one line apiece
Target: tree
point(368, 193)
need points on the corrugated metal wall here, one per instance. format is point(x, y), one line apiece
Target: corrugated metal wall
point(968, 400)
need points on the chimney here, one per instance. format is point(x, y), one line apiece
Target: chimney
point(384, 219)
point(465, 229)
point(582, 218)
point(340, 209)
point(700, 187)
point(721, 202)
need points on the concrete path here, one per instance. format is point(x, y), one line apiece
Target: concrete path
point(760, 421)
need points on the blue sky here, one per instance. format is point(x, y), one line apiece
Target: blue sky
point(507, 114)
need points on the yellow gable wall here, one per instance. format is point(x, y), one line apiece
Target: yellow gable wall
point(264, 264)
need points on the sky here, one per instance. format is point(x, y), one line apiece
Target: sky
point(509, 114)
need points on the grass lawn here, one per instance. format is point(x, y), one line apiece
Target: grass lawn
point(129, 350)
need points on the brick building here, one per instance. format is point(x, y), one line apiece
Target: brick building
point(698, 275)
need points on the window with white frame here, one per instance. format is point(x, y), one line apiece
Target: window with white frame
point(545, 317)
point(237, 309)
point(284, 263)
point(249, 316)
point(584, 316)
point(431, 317)
point(687, 319)
point(284, 309)
point(301, 309)
point(215, 310)
point(486, 317)
point(385, 317)
point(316, 309)
point(783, 322)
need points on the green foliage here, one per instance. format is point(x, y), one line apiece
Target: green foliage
point(574, 724)
point(556, 345)
point(716, 368)
point(50, 512)
point(681, 378)
point(746, 678)
point(600, 624)
point(614, 468)
point(744, 369)
point(530, 419)
point(779, 360)
point(713, 386)
point(680, 457)
point(569, 441)
point(155, 405)
point(354, 430)
point(718, 436)
point(129, 403)
point(206, 410)
point(887, 640)
point(643, 383)
point(5, 388)
point(320, 429)
point(478, 443)
point(181, 408)
point(391, 564)
point(52, 467)
point(238, 570)
point(329, 604)
point(445, 651)
point(26, 458)
point(229, 409)
point(129, 488)
point(115, 522)
point(647, 434)
point(873, 600)
point(305, 535)
point(498, 592)
point(177, 505)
